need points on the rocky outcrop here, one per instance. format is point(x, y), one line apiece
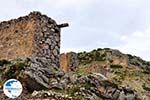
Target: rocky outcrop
point(61, 86)
point(91, 87)
point(34, 74)
point(123, 69)
point(112, 56)
point(69, 61)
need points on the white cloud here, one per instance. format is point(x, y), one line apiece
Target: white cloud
point(93, 23)
point(73, 3)
point(137, 43)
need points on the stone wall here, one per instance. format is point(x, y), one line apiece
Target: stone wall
point(34, 35)
point(69, 61)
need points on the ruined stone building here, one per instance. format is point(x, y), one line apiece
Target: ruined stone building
point(34, 35)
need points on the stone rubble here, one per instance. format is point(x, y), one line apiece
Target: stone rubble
point(89, 87)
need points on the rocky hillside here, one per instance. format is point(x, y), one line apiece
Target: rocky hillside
point(124, 70)
point(102, 74)
point(112, 56)
point(74, 85)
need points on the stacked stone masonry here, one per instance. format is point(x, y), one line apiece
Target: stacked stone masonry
point(34, 35)
point(69, 61)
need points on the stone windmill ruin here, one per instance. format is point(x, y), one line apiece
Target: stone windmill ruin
point(36, 37)
point(32, 35)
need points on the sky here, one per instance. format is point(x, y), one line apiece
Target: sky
point(117, 24)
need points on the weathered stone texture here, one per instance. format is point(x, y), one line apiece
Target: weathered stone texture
point(69, 61)
point(34, 35)
point(16, 38)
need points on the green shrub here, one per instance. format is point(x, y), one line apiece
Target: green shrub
point(99, 49)
point(106, 48)
point(88, 57)
point(108, 83)
point(130, 56)
point(2, 62)
point(115, 66)
point(14, 68)
point(73, 90)
point(146, 87)
point(146, 72)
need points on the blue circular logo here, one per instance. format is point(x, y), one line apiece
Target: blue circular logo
point(12, 88)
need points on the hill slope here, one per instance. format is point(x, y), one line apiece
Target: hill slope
point(122, 69)
point(102, 74)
